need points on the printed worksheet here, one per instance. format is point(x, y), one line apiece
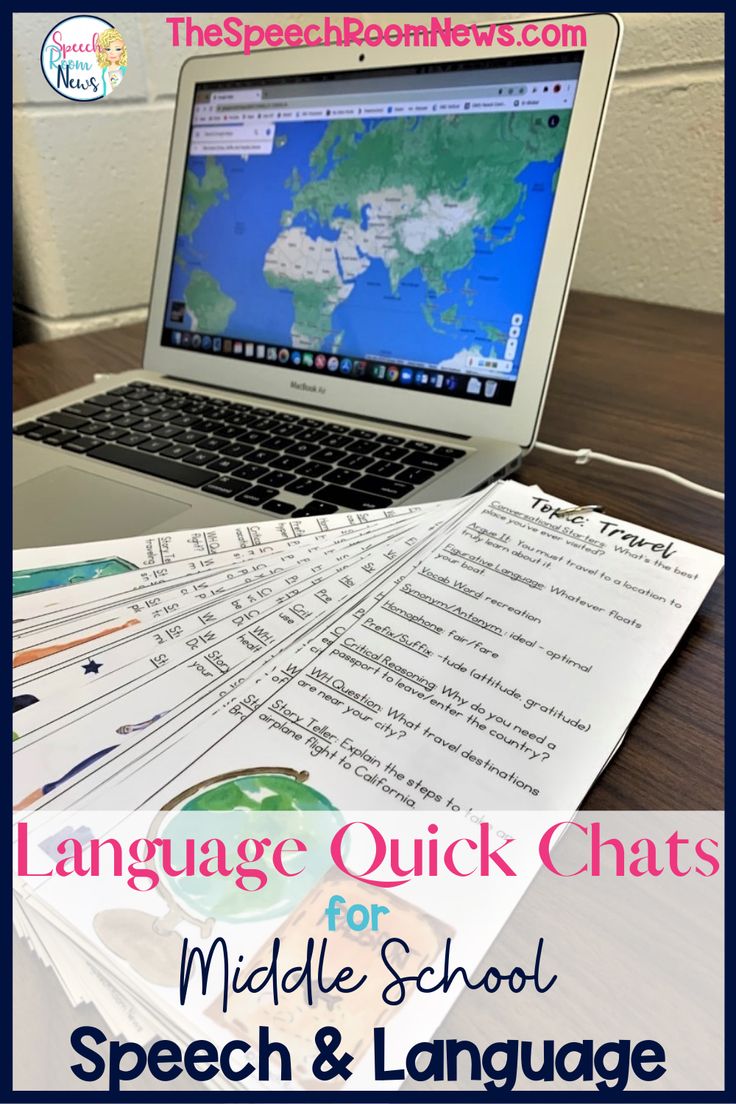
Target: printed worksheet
point(501, 673)
point(497, 664)
point(94, 643)
point(51, 571)
point(479, 659)
point(187, 675)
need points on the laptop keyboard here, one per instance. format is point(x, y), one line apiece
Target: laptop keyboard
point(280, 462)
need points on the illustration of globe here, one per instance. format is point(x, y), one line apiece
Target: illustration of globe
point(267, 803)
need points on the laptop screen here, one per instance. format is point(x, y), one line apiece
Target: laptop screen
point(387, 228)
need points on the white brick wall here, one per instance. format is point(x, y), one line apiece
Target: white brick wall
point(88, 178)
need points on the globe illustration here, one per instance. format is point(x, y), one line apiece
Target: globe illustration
point(271, 803)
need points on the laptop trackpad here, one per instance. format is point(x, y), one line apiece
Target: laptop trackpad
point(68, 506)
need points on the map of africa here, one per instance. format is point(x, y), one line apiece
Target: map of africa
point(409, 239)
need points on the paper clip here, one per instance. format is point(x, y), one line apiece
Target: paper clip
point(577, 510)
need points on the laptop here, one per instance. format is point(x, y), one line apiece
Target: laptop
point(363, 260)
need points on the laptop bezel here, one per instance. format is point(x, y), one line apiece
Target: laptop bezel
point(516, 423)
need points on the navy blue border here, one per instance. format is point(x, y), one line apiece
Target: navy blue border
point(727, 1096)
point(396, 1097)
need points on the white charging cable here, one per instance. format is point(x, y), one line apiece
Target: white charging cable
point(584, 455)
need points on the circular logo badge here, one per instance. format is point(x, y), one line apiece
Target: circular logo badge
point(84, 58)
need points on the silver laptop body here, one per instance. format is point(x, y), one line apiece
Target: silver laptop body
point(361, 272)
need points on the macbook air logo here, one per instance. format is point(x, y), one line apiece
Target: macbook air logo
point(311, 387)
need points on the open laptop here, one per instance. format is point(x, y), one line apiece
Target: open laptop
point(363, 260)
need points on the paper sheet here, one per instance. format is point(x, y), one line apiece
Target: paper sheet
point(473, 655)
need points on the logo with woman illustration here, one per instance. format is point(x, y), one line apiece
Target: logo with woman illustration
point(84, 58)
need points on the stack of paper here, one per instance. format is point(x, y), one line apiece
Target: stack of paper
point(479, 654)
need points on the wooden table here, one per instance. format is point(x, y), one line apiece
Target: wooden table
point(640, 381)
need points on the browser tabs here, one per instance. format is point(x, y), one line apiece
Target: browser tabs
point(242, 108)
point(240, 95)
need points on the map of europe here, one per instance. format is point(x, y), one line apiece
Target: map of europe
point(409, 239)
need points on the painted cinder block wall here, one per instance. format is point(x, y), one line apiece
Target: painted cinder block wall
point(88, 178)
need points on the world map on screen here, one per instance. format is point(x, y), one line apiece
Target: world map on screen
point(409, 239)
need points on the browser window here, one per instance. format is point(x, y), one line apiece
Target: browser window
point(386, 228)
